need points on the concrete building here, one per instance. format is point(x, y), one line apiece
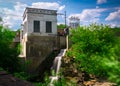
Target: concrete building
point(38, 36)
point(38, 22)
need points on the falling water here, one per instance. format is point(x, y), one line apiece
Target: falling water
point(56, 65)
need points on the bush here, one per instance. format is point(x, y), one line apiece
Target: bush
point(95, 48)
point(8, 54)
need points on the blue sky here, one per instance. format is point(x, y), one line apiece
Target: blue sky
point(88, 11)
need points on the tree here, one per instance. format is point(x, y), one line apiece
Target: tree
point(8, 53)
point(61, 26)
point(96, 51)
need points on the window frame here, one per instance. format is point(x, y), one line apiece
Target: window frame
point(48, 26)
point(36, 28)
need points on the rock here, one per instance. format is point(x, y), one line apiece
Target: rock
point(2, 73)
point(9, 80)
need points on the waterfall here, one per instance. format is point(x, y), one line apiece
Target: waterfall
point(56, 66)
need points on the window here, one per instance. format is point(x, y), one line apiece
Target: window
point(48, 26)
point(36, 26)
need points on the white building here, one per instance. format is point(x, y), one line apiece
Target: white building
point(37, 22)
point(40, 21)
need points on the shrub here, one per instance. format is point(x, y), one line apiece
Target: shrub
point(95, 48)
point(8, 54)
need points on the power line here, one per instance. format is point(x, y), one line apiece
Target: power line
point(64, 17)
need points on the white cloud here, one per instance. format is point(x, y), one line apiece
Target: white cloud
point(48, 5)
point(89, 15)
point(114, 18)
point(61, 7)
point(13, 17)
point(101, 1)
point(97, 7)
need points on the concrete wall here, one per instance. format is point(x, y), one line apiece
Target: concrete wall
point(42, 15)
point(38, 48)
point(42, 18)
point(62, 42)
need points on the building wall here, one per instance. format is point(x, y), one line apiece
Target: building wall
point(37, 49)
point(36, 46)
point(42, 18)
point(42, 15)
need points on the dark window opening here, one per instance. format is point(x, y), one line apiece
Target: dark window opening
point(36, 26)
point(48, 26)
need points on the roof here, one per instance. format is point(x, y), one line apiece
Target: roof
point(39, 11)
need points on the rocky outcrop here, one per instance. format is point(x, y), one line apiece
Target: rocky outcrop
point(8, 80)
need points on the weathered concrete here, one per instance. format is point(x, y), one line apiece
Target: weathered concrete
point(38, 48)
point(62, 40)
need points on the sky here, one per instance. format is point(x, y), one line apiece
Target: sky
point(88, 11)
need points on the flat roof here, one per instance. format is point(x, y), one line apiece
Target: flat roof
point(39, 11)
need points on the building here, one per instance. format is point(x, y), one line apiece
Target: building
point(38, 36)
point(38, 22)
point(74, 22)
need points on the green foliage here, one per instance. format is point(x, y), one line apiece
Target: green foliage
point(116, 31)
point(60, 82)
point(1, 69)
point(21, 75)
point(8, 54)
point(46, 81)
point(96, 51)
point(61, 26)
point(53, 73)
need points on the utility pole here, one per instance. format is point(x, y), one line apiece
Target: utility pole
point(65, 27)
point(65, 19)
point(67, 34)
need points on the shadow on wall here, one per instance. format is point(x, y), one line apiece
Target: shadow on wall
point(45, 67)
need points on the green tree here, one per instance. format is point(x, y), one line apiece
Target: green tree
point(96, 51)
point(8, 52)
point(61, 26)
